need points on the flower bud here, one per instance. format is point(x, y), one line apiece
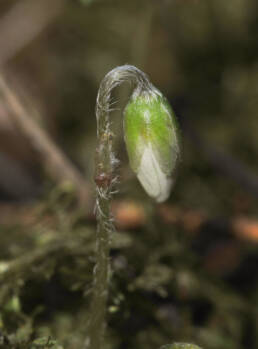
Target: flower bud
point(152, 141)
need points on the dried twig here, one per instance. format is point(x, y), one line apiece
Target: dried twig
point(23, 22)
point(30, 18)
point(53, 159)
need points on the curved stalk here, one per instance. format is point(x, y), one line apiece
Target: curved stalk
point(105, 179)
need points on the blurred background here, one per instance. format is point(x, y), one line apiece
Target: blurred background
point(185, 270)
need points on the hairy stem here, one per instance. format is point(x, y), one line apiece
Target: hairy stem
point(105, 179)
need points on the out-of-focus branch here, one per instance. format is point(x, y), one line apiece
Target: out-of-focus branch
point(223, 161)
point(53, 159)
point(20, 25)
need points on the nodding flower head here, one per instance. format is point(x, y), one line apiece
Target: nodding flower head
point(152, 141)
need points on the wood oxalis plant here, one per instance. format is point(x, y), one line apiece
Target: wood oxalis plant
point(152, 144)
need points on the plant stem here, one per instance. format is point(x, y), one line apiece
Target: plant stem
point(105, 179)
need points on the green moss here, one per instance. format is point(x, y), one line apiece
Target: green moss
point(180, 346)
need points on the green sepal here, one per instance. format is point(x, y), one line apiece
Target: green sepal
point(149, 119)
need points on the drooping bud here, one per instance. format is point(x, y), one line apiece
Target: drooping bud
point(152, 141)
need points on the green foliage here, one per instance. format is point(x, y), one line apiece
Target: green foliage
point(40, 343)
point(45, 287)
point(44, 343)
point(180, 346)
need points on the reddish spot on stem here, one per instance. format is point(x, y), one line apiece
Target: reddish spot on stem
point(103, 180)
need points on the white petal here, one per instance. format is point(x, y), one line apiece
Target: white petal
point(156, 183)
